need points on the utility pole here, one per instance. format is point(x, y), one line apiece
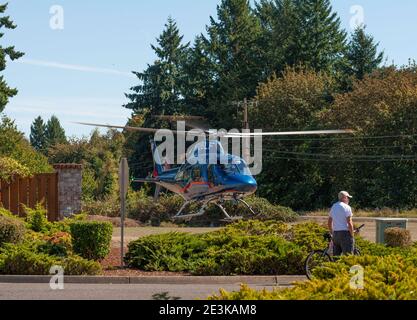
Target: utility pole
point(246, 140)
point(124, 186)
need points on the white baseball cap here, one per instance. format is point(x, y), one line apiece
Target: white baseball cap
point(344, 194)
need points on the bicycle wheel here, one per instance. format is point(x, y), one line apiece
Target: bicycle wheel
point(315, 259)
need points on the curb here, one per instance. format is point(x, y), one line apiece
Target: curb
point(259, 280)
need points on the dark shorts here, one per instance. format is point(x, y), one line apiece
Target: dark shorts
point(343, 243)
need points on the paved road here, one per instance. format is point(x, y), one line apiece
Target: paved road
point(9, 291)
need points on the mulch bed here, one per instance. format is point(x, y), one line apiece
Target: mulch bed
point(111, 267)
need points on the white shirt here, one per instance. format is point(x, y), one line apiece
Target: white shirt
point(339, 213)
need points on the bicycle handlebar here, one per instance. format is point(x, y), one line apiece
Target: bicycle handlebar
point(357, 230)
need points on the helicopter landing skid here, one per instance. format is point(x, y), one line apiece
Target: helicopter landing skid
point(180, 216)
point(201, 212)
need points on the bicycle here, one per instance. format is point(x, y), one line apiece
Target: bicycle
point(316, 258)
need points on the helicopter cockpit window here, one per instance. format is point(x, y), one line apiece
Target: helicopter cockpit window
point(229, 168)
point(238, 167)
point(179, 176)
point(243, 168)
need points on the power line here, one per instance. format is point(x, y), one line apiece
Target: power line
point(401, 156)
point(341, 139)
point(356, 146)
point(341, 160)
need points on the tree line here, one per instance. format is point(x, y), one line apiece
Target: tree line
point(303, 71)
point(294, 59)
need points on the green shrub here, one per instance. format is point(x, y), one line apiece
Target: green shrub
point(91, 239)
point(265, 210)
point(392, 277)
point(168, 252)
point(26, 259)
point(58, 244)
point(77, 266)
point(37, 219)
point(245, 247)
point(12, 230)
point(309, 236)
point(7, 213)
point(10, 168)
point(14, 145)
point(107, 207)
point(397, 237)
point(23, 260)
point(145, 209)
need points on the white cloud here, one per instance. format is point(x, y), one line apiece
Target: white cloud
point(74, 67)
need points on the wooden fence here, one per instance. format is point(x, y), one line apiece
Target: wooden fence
point(41, 188)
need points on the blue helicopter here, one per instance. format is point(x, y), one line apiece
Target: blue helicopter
point(205, 182)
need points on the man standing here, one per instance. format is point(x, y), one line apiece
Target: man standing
point(341, 225)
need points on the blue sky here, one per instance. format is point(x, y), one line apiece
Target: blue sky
point(81, 72)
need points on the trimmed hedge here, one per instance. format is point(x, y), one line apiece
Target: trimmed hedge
point(91, 239)
point(12, 230)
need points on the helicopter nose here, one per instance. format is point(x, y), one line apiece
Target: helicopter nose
point(253, 186)
point(249, 185)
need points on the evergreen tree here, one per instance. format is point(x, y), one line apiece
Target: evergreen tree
point(199, 79)
point(362, 54)
point(160, 88)
point(233, 51)
point(55, 133)
point(303, 32)
point(159, 93)
point(5, 91)
point(319, 41)
point(278, 19)
point(38, 134)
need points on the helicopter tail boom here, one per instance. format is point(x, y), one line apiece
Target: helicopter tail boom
point(158, 167)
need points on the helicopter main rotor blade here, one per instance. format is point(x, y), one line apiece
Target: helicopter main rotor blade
point(193, 122)
point(128, 128)
point(226, 135)
point(289, 133)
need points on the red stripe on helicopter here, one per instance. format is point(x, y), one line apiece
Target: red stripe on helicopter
point(188, 186)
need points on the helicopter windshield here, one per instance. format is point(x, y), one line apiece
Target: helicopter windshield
point(237, 167)
point(243, 168)
point(207, 147)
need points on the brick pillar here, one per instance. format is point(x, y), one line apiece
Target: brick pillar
point(69, 188)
